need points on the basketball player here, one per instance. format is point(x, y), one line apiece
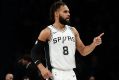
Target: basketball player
point(63, 41)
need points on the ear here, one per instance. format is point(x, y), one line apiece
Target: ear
point(56, 13)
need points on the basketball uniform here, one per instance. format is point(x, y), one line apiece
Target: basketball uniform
point(62, 49)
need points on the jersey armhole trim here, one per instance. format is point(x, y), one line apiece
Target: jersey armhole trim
point(50, 38)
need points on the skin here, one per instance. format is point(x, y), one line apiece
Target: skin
point(63, 11)
point(9, 76)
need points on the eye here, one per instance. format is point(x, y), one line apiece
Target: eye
point(66, 11)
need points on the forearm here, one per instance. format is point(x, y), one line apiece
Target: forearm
point(41, 66)
point(88, 49)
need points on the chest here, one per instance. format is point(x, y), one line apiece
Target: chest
point(62, 37)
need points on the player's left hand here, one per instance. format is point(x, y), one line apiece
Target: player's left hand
point(97, 40)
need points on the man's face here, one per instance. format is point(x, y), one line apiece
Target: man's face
point(64, 15)
point(9, 76)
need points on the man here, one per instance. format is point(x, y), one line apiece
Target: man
point(9, 76)
point(26, 69)
point(63, 40)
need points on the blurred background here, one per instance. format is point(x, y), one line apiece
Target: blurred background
point(22, 20)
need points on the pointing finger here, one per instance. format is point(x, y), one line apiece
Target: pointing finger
point(101, 34)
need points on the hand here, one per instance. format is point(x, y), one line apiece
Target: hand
point(46, 74)
point(97, 40)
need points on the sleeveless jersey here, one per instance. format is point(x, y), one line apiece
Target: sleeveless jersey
point(62, 48)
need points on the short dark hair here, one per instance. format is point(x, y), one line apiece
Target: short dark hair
point(26, 57)
point(55, 7)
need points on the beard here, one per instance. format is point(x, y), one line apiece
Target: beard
point(64, 21)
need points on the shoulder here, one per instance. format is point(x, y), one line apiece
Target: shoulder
point(45, 31)
point(44, 34)
point(74, 30)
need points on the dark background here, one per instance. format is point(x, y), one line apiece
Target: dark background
point(22, 20)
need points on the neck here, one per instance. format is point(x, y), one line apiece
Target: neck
point(58, 25)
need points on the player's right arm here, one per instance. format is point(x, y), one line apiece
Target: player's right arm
point(37, 52)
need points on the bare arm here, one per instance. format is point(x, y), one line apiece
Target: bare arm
point(85, 50)
point(44, 36)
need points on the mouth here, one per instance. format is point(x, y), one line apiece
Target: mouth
point(68, 19)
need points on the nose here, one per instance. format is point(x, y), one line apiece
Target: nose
point(68, 14)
